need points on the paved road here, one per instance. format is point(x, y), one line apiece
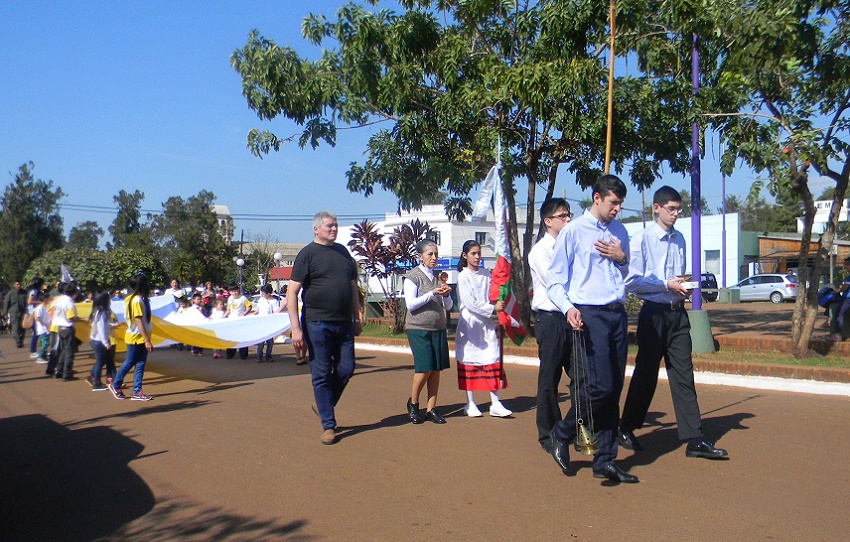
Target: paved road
point(229, 450)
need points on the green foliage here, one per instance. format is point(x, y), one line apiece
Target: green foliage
point(450, 80)
point(187, 233)
point(387, 262)
point(128, 230)
point(30, 223)
point(85, 235)
point(786, 64)
point(95, 270)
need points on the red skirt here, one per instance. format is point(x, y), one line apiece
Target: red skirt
point(481, 377)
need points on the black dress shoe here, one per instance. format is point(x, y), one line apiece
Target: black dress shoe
point(629, 441)
point(614, 473)
point(413, 412)
point(561, 454)
point(547, 446)
point(435, 417)
point(704, 449)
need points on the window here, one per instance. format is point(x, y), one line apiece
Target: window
point(434, 235)
point(481, 237)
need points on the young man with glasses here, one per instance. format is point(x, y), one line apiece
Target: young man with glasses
point(655, 275)
point(550, 327)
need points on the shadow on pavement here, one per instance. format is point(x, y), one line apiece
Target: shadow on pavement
point(72, 485)
point(663, 439)
point(63, 484)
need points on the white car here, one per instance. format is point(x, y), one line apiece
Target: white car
point(771, 287)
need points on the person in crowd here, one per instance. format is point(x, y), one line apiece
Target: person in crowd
point(325, 276)
point(15, 306)
point(551, 331)
point(116, 295)
point(656, 269)
point(137, 313)
point(34, 295)
point(197, 306)
point(208, 298)
point(587, 283)
point(839, 308)
point(174, 288)
point(479, 359)
point(64, 317)
point(267, 304)
point(217, 314)
point(102, 341)
point(427, 300)
point(237, 306)
point(41, 327)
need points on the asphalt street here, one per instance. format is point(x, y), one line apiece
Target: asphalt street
point(230, 450)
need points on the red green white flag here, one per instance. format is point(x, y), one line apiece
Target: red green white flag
point(500, 280)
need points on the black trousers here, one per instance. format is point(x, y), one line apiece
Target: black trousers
point(663, 332)
point(553, 336)
point(605, 340)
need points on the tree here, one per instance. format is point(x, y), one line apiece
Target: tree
point(686, 205)
point(788, 63)
point(94, 270)
point(187, 234)
point(30, 223)
point(128, 230)
point(85, 235)
point(387, 262)
point(452, 79)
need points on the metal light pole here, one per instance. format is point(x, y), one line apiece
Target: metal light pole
point(277, 258)
point(239, 263)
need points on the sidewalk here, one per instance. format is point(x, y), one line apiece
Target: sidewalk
point(740, 327)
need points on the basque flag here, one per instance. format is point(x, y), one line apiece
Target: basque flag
point(500, 279)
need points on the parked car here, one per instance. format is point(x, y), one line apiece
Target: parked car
point(708, 281)
point(767, 287)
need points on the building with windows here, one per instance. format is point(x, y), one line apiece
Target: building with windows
point(225, 222)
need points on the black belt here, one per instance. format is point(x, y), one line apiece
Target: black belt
point(553, 313)
point(671, 306)
point(615, 306)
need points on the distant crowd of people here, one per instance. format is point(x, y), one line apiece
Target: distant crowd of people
point(52, 314)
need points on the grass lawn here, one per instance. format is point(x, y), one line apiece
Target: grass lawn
point(382, 331)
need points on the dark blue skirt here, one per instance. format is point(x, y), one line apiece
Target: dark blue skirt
point(430, 350)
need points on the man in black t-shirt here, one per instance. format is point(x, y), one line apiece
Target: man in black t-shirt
point(326, 276)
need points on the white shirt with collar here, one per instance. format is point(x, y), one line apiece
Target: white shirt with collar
point(539, 258)
point(656, 257)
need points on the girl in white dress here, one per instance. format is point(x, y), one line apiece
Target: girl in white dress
point(479, 365)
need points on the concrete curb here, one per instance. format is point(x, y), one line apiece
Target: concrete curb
point(525, 355)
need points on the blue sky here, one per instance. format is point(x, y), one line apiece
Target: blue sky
point(104, 96)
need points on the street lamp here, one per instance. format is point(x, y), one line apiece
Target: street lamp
point(239, 263)
point(277, 258)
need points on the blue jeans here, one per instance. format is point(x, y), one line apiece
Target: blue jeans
point(137, 355)
point(331, 347)
point(269, 344)
point(102, 356)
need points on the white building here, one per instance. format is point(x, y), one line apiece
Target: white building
point(741, 247)
point(822, 212)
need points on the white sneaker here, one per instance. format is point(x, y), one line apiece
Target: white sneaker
point(41, 360)
point(33, 355)
point(472, 411)
point(498, 410)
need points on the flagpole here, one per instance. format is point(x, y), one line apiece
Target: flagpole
point(612, 9)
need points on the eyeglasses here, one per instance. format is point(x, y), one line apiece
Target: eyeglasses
point(672, 210)
point(562, 216)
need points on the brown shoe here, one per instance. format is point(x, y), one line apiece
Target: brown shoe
point(328, 437)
